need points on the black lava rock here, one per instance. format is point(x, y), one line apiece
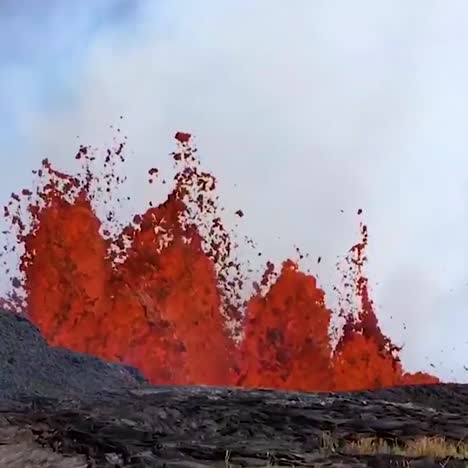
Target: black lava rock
point(29, 366)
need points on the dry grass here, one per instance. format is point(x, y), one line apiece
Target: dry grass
point(432, 447)
point(435, 448)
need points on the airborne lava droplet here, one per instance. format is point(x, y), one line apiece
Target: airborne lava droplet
point(239, 213)
point(164, 293)
point(183, 137)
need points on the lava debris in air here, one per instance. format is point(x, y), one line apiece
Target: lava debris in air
point(164, 292)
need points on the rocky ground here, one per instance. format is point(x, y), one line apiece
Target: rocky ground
point(62, 409)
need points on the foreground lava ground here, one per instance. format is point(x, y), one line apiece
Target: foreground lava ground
point(202, 427)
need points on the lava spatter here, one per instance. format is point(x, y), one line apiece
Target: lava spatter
point(164, 293)
point(286, 343)
point(364, 357)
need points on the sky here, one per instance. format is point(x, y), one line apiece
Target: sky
point(305, 111)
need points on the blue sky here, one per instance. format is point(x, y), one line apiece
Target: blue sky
point(301, 112)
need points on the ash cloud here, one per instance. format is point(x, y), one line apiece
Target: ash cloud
point(304, 113)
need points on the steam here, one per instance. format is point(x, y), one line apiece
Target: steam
point(305, 113)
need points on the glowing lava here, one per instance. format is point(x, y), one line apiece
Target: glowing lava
point(163, 293)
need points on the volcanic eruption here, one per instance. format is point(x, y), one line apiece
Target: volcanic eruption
point(165, 292)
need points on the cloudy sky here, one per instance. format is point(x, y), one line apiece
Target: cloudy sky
point(302, 109)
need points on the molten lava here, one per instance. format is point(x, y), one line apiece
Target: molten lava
point(164, 293)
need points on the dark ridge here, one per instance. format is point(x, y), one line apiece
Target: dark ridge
point(30, 366)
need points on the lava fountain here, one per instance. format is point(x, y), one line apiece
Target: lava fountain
point(163, 293)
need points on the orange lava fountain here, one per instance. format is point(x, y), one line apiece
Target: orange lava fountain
point(164, 293)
